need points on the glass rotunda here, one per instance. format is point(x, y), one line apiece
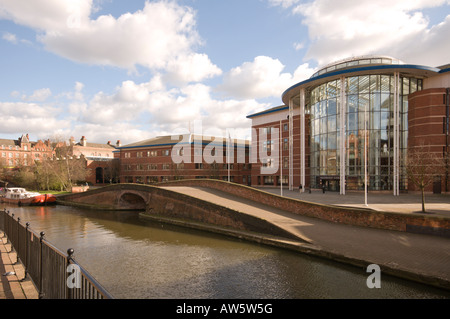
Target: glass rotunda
point(357, 111)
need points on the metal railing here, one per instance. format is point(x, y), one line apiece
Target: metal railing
point(55, 275)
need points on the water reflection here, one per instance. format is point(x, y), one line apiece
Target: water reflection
point(136, 258)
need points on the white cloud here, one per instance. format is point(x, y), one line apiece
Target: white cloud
point(261, 78)
point(191, 68)
point(149, 108)
point(36, 119)
point(161, 35)
point(340, 29)
point(9, 37)
point(38, 95)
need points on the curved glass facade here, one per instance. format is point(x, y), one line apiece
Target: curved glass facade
point(369, 97)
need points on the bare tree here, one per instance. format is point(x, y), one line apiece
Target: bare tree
point(422, 166)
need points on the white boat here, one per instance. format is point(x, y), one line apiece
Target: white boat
point(20, 196)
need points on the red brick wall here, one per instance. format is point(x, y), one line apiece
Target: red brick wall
point(426, 115)
point(351, 216)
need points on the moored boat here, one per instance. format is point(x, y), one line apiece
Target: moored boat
point(20, 196)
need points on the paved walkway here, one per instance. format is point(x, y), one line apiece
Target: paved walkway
point(12, 286)
point(424, 255)
point(438, 205)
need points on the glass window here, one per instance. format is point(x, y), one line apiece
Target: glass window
point(375, 123)
point(352, 122)
point(385, 101)
point(374, 83)
point(385, 88)
point(332, 89)
point(352, 85)
point(405, 86)
point(375, 102)
point(332, 107)
point(352, 103)
point(363, 103)
point(323, 125)
point(332, 144)
point(332, 123)
point(364, 84)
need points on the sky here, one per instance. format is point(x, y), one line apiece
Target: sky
point(132, 70)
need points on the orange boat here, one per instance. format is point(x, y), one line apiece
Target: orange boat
point(21, 197)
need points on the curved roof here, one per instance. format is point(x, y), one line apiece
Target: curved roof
point(360, 69)
point(353, 62)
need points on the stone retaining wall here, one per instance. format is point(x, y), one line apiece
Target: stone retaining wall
point(352, 216)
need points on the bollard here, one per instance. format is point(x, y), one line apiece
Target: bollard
point(41, 293)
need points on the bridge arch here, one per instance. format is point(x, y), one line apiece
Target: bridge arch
point(132, 200)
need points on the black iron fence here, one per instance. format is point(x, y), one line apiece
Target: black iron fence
point(55, 274)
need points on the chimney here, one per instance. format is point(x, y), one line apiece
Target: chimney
point(72, 140)
point(83, 141)
point(109, 143)
point(118, 144)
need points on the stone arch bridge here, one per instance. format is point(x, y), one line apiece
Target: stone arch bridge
point(167, 204)
point(233, 206)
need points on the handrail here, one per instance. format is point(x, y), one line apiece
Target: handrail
point(47, 266)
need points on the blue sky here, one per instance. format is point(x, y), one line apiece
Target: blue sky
point(130, 70)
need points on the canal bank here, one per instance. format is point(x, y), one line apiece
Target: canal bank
point(422, 258)
point(136, 258)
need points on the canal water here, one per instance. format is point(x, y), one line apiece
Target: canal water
point(135, 258)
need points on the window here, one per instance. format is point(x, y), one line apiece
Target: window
point(166, 166)
point(285, 162)
point(285, 127)
point(268, 180)
point(139, 154)
point(166, 152)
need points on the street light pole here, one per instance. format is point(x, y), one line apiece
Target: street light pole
point(365, 156)
point(281, 162)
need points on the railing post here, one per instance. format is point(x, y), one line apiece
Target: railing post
point(70, 252)
point(18, 241)
point(41, 293)
point(27, 251)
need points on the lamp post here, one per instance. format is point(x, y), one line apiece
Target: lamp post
point(281, 161)
point(365, 156)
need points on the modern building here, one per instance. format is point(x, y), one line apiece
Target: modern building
point(353, 121)
point(176, 157)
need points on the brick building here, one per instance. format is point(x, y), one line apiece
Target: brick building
point(23, 152)
point(268, 166)
point(188, 156)
point(101, 167)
